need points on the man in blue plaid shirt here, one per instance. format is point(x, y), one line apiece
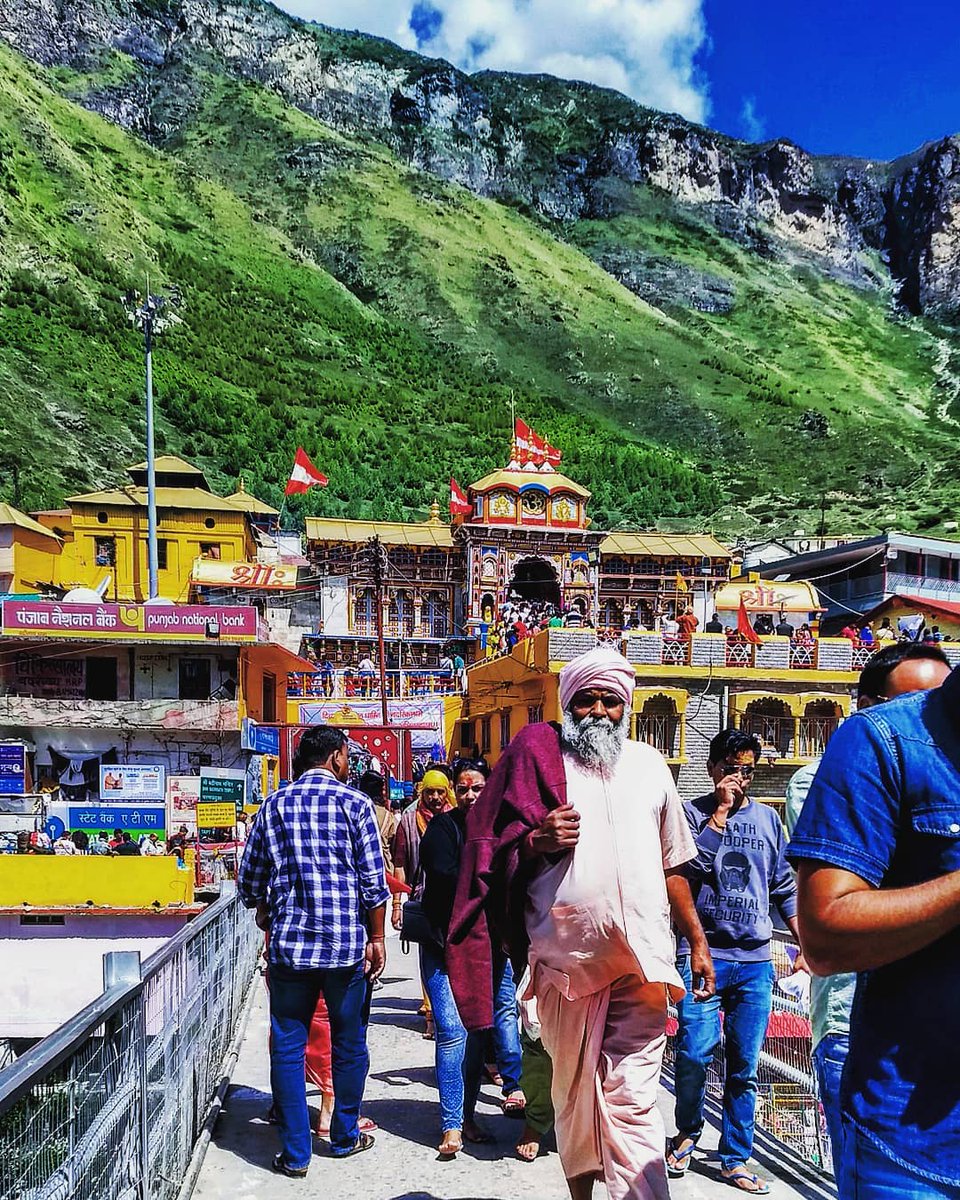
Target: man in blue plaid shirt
point(313, 869)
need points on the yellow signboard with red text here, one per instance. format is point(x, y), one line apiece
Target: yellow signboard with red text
point(209, 572)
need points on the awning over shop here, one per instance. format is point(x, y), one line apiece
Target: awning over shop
point(764, 595)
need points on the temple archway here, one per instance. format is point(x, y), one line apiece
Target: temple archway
point(535, 579)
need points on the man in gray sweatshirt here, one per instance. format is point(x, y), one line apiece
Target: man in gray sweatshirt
point(739, 871)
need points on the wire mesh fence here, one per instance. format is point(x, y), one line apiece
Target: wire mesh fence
point(109, 1107)
point(787, 1103)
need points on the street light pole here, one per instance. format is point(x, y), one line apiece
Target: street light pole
point(153, 557)
point(146, 313)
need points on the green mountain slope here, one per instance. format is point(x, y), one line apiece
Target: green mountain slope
point(337, 298)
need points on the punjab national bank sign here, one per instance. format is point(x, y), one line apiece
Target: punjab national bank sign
point(143, 622)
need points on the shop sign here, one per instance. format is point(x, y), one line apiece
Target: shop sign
point(135, 781)
point(48, 678)
point(260, 739)
point(274, 576)
point(131, 818)
point(13, 769)
point(143, 622)
point(216, 816)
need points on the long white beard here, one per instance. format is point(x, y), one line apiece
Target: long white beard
point(596, 741)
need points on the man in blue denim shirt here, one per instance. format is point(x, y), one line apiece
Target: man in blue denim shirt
point(877, 849)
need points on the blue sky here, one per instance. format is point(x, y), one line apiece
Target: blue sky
point(874, 79)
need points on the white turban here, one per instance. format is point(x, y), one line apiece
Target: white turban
point(603, 667)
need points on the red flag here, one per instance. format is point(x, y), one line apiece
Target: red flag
point(553, 455)
point(522, 441)
point(460, 506)
point(744, 628)
point(304, 475)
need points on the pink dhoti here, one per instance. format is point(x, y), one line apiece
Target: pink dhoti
point(607, 1050)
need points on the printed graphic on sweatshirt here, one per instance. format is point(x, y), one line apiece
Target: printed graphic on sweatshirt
point(734, 872)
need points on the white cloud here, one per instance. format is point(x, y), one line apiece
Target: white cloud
point(645, 48)
point(752, 125)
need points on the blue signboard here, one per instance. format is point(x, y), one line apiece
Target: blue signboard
point(13, 769)
point(261, 739)
point(150, 818)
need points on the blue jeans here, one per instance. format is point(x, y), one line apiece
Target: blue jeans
point(293, 1000)
point(829, 1055)
point(459, 1054)
point(506, 1026)
point(865, 1173)
point(744, 993)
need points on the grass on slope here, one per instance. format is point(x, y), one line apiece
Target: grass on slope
point(809, 388)
point(270, 351)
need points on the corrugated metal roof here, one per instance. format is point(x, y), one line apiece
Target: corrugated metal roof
point(553, 481)
point(136, 497)
point(391, 533)
point(664, 545)
point(13, 516)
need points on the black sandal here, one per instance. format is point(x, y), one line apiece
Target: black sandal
point(363, 1142)
point(282, 1168)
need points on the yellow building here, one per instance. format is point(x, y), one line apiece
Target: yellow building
point(28, 551)
point(791, 697)
point(100, 540)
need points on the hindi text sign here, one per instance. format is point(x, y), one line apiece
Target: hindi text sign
point(216, 816)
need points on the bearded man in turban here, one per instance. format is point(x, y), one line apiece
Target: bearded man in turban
point(574, 861)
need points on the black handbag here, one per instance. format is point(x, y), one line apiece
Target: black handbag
point(415, 927)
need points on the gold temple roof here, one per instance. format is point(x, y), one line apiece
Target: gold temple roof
point(664, 545)
point(553, 481)
point(391, 533)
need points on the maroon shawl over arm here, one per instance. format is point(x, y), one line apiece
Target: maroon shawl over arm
point(527, 782)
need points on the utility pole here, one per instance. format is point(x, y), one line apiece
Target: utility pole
point(377, 563)
point(146, 314)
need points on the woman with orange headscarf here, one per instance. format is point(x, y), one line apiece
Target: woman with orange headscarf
point(434, 796)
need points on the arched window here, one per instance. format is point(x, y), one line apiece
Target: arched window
point(611, 616)
point(817, 726)
point(658, 724)
point(436, 615)
point(772, 722)
point(401, 614)
point(364, 612)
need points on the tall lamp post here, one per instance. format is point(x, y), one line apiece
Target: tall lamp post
point(146, 313)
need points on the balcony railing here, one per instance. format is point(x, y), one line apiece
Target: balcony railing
point(348, 685)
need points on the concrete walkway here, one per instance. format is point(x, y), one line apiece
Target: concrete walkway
point(401, 1098)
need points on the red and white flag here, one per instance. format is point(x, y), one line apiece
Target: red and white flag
point(522, 441)
point(304, 475)
point(460, 506)
point(538, 449)
point(553, 455)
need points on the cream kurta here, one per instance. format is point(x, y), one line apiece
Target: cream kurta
point(602, 960)
point(602, 912)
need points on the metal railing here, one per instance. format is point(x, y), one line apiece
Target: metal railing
point(787, 1103)
point(344, 685)
point(110, 1105)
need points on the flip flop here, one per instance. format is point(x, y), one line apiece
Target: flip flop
point(514, 1105)
point(760, 1186)
point(363, 1142)
point(681, 1158)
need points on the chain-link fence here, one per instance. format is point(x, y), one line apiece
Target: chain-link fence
point(110, 1105)
point(787, 1104)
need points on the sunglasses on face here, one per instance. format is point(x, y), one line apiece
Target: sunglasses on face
point(589, 699)
point(737, 769)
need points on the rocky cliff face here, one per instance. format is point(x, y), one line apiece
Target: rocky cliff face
point(565, 151)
